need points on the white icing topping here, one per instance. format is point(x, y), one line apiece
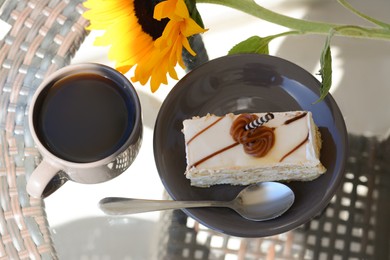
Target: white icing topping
point(295, 143)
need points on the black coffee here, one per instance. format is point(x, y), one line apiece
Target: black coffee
point(83, 118)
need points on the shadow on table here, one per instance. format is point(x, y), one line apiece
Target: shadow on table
point(106, 238)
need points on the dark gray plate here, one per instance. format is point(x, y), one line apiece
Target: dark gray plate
point(248, 83)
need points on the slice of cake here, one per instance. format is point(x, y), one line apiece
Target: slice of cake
point(249, 148)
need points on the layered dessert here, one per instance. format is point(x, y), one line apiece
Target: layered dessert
point(249, 148)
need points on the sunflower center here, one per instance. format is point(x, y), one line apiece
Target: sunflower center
point(144, 10)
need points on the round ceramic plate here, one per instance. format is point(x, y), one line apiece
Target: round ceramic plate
point(240, 84)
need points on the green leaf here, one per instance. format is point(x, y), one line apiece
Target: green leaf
point(326, 68)
point(257, 44)
point(254, 44)
point(194, 13)
point(326, 72)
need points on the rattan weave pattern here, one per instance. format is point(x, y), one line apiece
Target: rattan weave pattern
point(45, 34)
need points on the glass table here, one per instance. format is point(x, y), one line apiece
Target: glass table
point(38, 37)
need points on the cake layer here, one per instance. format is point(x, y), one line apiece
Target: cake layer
point(220, 151)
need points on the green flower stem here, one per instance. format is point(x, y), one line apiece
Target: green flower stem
point(366, 17)
point(304, 26)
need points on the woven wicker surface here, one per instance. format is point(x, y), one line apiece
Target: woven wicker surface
point(44, 36)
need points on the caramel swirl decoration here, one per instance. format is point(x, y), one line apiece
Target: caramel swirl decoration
point(258, 141)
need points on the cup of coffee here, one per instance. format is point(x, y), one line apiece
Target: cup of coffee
point(85, 120)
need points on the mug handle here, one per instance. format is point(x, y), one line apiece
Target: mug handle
point(41, 177)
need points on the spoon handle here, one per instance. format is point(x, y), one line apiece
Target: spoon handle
point(120, 206)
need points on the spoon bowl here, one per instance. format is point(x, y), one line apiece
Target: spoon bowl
point(257, 202)
point(263, 201)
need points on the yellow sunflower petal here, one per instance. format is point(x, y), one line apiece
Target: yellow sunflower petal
point(131, 46)
point(103, 13)
point(124, 69)
point(181, 9)
point(190, 27)
point(186, 44)
point(164, 9)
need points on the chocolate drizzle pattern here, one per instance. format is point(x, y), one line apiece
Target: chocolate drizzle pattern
point(214, 154)
point(295, 148)
point(256, 142)
point(295, 118)
point(289, 121)
point(204, 129)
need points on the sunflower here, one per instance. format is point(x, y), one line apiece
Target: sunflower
point(148, 34)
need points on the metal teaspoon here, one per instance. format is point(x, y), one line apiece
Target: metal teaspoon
point(257, 202)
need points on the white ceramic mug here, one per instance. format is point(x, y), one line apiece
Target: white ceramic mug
point(85, 120)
